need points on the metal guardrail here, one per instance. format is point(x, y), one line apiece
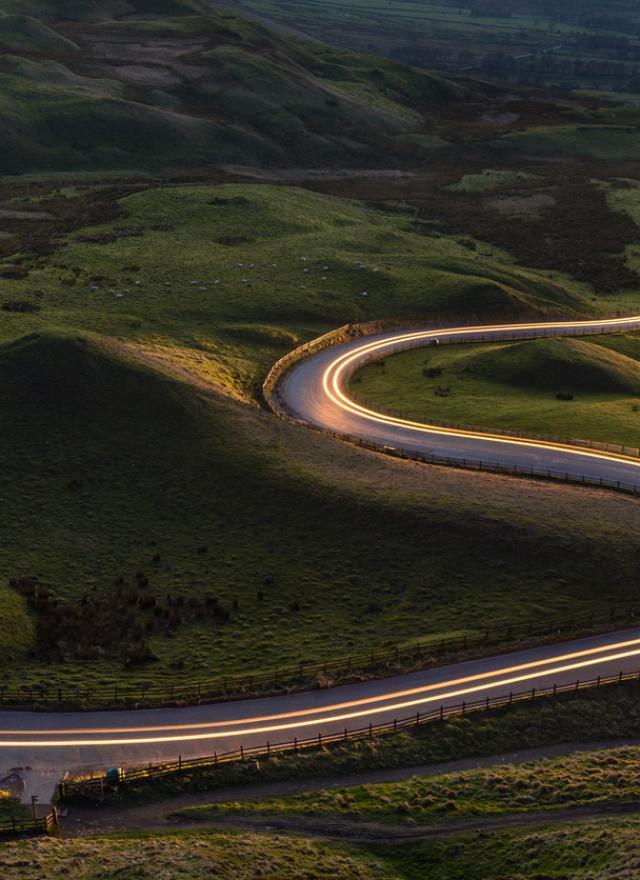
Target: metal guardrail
point(382, 661)
point(100, 785)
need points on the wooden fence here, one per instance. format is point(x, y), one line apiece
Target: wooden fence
point(26, 827)
point(98, 786)
point(381, 662)
point(273, 397)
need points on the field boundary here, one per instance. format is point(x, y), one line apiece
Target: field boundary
point(100, 785)
point(23, 827)
point(381, 663)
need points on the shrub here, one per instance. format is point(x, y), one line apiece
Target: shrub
point(19, 305)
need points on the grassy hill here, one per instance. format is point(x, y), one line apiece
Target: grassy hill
point(147, 524)
point(174, 84)
point(516, 386)
point(225, 279)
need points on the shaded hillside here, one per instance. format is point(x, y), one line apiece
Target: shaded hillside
point(159, 83)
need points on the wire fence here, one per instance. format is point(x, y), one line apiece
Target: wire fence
point(381, 662)
point(98, 786)
point(19, 826)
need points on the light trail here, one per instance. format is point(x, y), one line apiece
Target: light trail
point(329, 719)
point(349, 704)
point(339, 368)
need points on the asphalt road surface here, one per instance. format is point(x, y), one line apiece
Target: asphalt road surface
point(314, 391)
point(48, 744)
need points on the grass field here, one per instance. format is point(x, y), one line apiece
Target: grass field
point(582, 778)
point(225, 279)
point(145, 492)
point(516, 385)
point(122, 488)
point(594, 850)
point(614, 142)
point(188, 856)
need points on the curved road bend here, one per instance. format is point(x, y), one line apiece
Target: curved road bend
point(315, 391)
point(51, 743)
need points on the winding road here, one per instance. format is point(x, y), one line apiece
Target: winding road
point(314, 391)
point(42, 746)
point(51, 743)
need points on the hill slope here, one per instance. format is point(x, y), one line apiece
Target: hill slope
point(161, 83)
point(574, 363)
point(121, 489)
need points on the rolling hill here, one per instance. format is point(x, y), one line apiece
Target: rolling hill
point(168, 84)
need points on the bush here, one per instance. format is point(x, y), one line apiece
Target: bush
point(19, 305)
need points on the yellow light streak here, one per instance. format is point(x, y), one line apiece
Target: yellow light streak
point(348, 704)
point(338, 716)
point(337, 369)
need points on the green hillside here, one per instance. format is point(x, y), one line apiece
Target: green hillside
point(579, 365)
point(570, 388)
point(147, 524)
point(225, 279)
point(175, 84)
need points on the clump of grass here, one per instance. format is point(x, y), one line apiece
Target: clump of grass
point(575, 780)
